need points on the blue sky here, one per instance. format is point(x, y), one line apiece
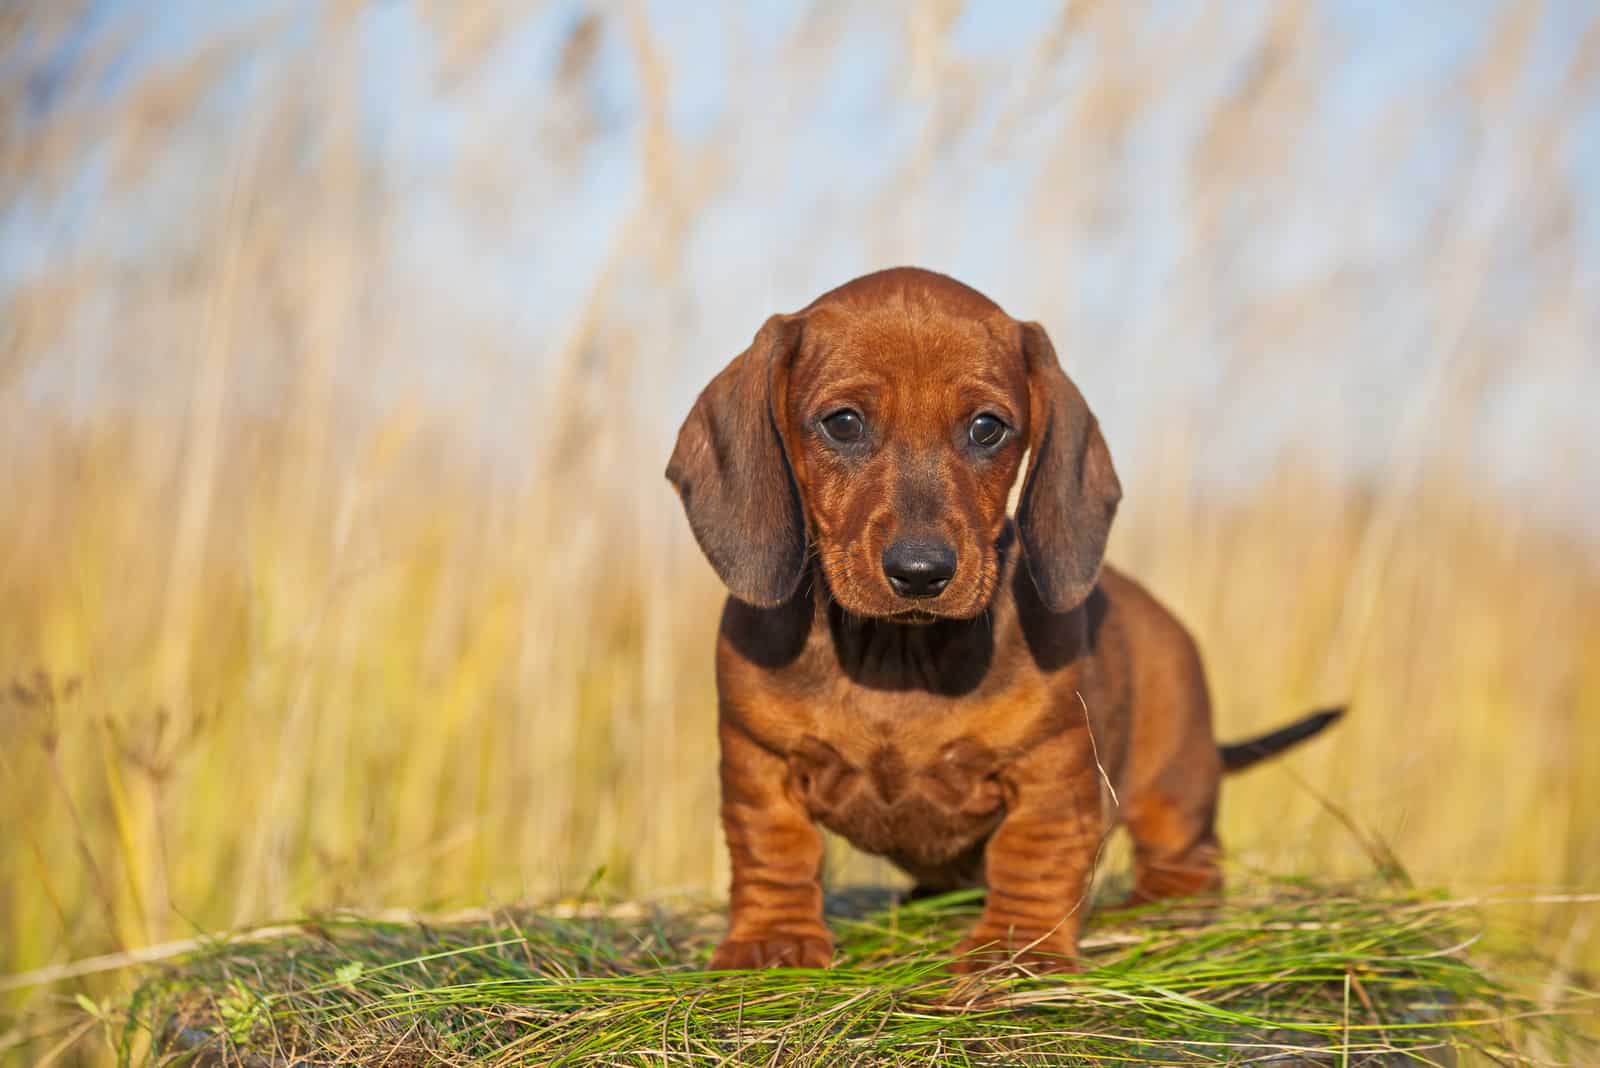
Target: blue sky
point(813, 191)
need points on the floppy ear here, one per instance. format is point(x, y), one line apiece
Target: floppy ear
point(1071, 492)
point(732, 473)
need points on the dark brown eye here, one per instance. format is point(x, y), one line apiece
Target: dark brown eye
point(986, 431)
point(844, 426)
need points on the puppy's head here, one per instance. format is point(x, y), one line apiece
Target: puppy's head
point(882, 428)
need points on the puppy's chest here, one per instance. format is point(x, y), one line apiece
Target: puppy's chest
point(921, 789)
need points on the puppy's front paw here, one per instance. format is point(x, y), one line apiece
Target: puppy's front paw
point(1010, 950)
point(776, 951)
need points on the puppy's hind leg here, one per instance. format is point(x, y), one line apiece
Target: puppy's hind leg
point(1173, 770)
point(1175, 848)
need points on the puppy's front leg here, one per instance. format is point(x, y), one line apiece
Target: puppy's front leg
point(1038, 863)
point(776, 852)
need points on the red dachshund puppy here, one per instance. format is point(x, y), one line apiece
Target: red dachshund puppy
point(972, 696)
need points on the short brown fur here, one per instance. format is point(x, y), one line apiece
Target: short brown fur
point(987, 735)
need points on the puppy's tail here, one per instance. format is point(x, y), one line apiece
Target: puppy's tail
point(1241, 755)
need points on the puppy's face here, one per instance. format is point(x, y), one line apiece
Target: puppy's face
point(905, 430)
point(880, 430)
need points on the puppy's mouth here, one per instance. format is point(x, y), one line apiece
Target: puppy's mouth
point(964, 602)
point(916, 615)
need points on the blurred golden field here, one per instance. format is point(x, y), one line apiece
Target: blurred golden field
point(279, 633)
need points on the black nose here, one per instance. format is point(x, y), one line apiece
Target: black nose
point(919, 568)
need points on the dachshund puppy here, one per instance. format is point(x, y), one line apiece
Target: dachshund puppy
point(972, 696)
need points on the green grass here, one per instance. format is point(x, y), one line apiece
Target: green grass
point(1349, 975)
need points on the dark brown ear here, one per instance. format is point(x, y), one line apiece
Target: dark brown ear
point(1071, 492)
point(733, 476)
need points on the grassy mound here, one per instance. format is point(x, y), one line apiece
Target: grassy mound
point(1290, 975)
